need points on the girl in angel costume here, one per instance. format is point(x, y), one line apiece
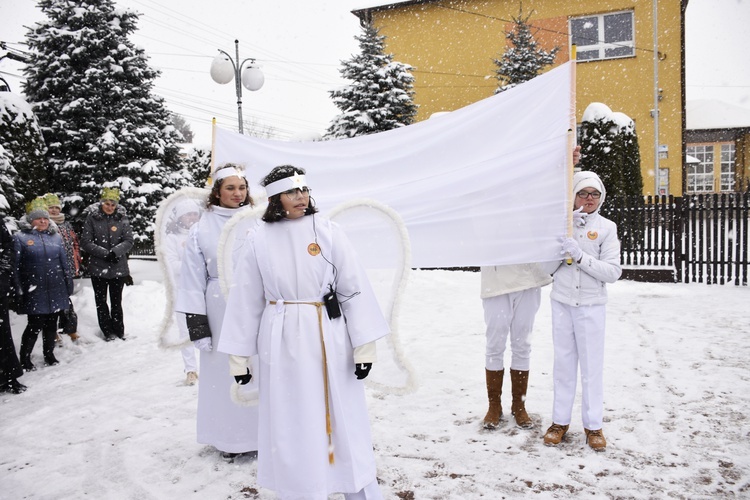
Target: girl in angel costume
point(184, 215)
point(229, 428)
point(302, 302)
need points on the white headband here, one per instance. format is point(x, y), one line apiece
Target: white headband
point(294, 182)
point(228, 172)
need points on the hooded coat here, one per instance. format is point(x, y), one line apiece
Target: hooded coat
point(43, 276)
point(584, 283)
point(103, 233)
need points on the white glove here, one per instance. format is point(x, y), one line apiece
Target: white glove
point(570, 246)
point(579, 217)
point(203, 344)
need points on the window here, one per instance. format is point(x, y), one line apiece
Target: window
point(727, 167)
point(604, 36)
point(700, 176)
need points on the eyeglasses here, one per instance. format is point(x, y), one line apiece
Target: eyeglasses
point(585, 194)
point(293, 194)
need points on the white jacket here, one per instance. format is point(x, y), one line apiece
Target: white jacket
point(500, 280)
point(584, 284)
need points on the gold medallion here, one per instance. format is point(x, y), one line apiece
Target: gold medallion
point(30, 242)
point(114, 229)
point(313, 249)
point(592, 235)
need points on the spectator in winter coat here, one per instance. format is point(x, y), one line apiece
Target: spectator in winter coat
point(68, 321)
point(43, 281)
point(10, 367)
point(107, 238)
point(579, 297)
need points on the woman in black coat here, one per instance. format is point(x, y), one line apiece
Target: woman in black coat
point(107, 238)
point(10, 367)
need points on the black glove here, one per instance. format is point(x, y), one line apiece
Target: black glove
point(112, 257)
point(128, 280)
point(197, 325)
point(362, 370)
point(244, 379)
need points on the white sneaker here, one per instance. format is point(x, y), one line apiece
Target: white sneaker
point(192, 378)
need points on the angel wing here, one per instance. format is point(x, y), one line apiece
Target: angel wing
point(380, 237)
point(169, 237)
point(231, 241)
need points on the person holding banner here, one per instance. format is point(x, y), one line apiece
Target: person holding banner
point(511, 296)
point(303, 303)
point(230, 428)
point(579, 297)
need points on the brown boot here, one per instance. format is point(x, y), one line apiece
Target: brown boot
point(494, 390)
point(74, 336)
point(519, 382)
point(555, 434)
point(595, 440)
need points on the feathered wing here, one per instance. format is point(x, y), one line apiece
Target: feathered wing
point(231, 242)
point(380, 237)
point(169, 257)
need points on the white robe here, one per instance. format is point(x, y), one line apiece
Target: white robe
point(174, 249)
point(277, 265)
point(220, 422)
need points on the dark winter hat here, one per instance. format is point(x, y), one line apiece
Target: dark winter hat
point(110, 194)
point(37, 209)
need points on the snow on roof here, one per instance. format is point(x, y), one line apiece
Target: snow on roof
point(377, 3)
point(704, 114)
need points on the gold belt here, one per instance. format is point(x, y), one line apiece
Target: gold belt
point(329, 428)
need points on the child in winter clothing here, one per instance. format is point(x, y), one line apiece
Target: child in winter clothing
point(578, 297)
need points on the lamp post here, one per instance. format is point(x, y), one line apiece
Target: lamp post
point(224, 69)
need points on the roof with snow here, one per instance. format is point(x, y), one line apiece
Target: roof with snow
point(374, 4)
point(707, 114)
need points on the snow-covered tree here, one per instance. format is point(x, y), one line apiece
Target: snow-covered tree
point(523, 59)
point(91, 89)
point(25, 176)
point(609, 147)
point(7, 174)
point(381, 95)
point(183, 127)
point(198, 166)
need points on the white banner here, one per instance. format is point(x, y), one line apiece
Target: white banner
point(483, 185)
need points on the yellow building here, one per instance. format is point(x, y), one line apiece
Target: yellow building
point(452, 45)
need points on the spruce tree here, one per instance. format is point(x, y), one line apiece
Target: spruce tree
point(92, 92)
point(26, 177)
point(8, 194)
point(381, 95)
point(523, 60)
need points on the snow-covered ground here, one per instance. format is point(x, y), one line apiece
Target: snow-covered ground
point(114, 420)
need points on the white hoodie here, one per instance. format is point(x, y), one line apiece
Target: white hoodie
point(584, 283)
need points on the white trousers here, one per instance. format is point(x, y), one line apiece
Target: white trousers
point(510, 313)
point(188, 352)
point(578, 339)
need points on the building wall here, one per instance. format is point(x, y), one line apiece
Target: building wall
point(453, 51)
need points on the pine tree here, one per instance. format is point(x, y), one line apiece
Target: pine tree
point(25, 177)
point(523, 60)
point(198, 166)
point(183, 127)
point(92, 93)
point(609, 147)
point(381, 95)
point(8, 192)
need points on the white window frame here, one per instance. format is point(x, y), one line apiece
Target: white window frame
point(700, 176)
point(600, 46)
point(727, 160)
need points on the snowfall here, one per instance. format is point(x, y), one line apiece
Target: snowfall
point(115, 420)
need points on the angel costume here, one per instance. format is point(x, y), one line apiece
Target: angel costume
point(221, 423)
point(306, 373)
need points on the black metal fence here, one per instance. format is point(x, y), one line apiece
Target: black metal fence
point(696, 238)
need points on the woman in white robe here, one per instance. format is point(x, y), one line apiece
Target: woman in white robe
point(314, 431)
point(229, 428)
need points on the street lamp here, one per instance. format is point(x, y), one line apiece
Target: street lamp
point(224, 69)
